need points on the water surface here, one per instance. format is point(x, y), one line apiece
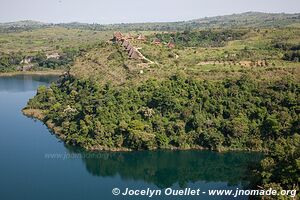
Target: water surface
point(36, 165)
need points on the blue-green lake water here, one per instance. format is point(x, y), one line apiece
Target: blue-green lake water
point(35, 165)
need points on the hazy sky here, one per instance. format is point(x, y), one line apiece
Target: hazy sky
point(122, 11)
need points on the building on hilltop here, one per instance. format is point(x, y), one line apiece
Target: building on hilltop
point(129, 36)
point(141, 38)
point(135, 54)
point(118, 36)
point(125, 44)
point(171, 45)
point(156, 41)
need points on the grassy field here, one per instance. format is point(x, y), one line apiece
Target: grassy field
point(49, 39)
point(36, 44)
point(253, 54)
point(103, 61)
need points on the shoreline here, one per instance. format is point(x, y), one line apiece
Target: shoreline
point(37, 114)
point(40, 73)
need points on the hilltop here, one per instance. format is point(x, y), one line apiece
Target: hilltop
point(24, 23)
point(218, 89)
point(249, 19)
point(201, 54)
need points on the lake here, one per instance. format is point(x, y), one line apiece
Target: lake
point(35, 165)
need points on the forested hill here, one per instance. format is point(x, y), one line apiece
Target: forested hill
point(22, 26)
point(25, 23)
point(248, 19)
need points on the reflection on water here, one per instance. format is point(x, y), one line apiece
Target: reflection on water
point(22, 83)
point(25, 142)
point(166, 168)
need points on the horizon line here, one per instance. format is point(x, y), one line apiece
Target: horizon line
point(91, 23)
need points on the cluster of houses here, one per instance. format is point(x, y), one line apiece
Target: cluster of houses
point(118, 36)
point(132, 51)
point(170, 44)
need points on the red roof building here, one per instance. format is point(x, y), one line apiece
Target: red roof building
point(156, 41)
point(141, 37)
point(171, 45)
point(118, 36)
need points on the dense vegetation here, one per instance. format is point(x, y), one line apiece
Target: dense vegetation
point(292, 51)
point(292, 56)
point(175, 113)
point(281, 168)
point(205, 38)
point(236, 114)
point(11, 61)
point(66, 58)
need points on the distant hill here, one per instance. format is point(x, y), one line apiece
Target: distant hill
point(21, 26)
point(248, 19)
point(22, 23)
